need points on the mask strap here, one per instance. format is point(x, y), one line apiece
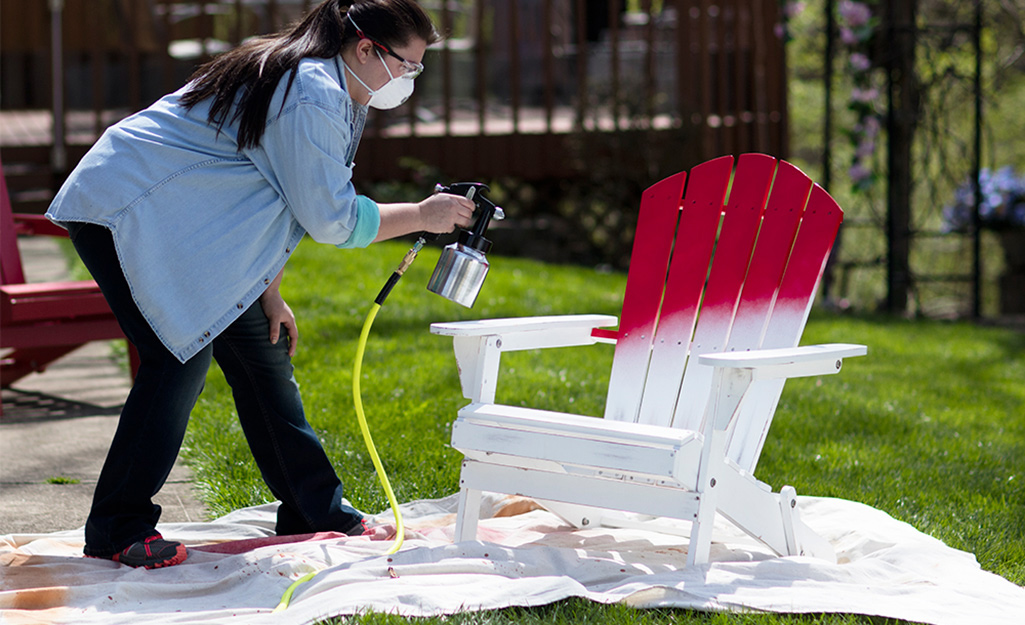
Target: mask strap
point(359, 31)
point(358, 79)
point(362, 36)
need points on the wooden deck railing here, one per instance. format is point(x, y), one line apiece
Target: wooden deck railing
point(503, 94)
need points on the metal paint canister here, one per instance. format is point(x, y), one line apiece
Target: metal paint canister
point(459, 274)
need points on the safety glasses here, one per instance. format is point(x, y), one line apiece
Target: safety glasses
point(410, 69)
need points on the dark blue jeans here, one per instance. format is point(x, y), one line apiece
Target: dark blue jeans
point(156, 412)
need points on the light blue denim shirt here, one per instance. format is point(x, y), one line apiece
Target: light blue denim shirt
point(201, 228)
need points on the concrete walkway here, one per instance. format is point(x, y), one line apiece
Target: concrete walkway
point(56, 427)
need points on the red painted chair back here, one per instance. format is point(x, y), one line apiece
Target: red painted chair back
point(11, 271)
point(724, 260)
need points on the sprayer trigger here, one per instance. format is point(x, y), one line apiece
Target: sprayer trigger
point(470, 193)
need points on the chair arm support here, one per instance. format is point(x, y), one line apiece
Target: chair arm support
point(791, 362)
point(735, 374)
point(479, 344)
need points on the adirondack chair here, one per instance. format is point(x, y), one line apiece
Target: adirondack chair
point(716, 299)
point(42, 321)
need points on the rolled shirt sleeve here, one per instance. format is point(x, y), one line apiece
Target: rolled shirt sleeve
point(303, 154)
point(368, 222)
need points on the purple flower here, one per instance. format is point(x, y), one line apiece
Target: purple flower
point(854, 13)
point(848, 37)
point(1002, 202)
point(869, 127)
point(860, 62)
point(859, 173)
point(793, 9)
point(864, 95)
point(865, 149)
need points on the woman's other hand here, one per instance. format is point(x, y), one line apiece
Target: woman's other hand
point(279, 314)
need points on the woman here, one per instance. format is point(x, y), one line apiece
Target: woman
point(186, 213)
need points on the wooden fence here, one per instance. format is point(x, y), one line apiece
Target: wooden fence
point(529, 89)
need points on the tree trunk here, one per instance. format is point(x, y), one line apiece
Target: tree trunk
point(902, 118)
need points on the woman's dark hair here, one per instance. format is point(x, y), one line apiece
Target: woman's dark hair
point(256, 66)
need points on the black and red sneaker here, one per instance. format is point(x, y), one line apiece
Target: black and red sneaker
point(359, 529)
point(152, 553)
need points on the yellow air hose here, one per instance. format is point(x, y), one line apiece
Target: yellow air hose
point(357, 398)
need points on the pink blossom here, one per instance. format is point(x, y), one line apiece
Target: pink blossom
point(793, 9)
point(854, 13)
point(865, 149)
point(860, 62)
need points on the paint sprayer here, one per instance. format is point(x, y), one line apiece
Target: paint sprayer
point(463, 265)
point(460, 272)
point(458, 276)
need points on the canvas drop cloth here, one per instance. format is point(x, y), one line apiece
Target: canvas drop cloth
point(237, 571)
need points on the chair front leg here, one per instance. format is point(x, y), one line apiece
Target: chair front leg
point(468, 514)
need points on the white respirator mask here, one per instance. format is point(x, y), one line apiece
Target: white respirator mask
point(398, 89)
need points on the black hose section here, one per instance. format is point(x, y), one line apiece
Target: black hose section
point(388, 286)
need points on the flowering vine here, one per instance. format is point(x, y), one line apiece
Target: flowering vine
point(857, 25)
point(789, 9)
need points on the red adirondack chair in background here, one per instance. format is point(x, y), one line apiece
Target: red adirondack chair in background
point(42, 321)
point(717, 296)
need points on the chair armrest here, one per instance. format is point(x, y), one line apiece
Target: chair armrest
point(530, 332)
point(790, 362)
point(479, 345)
point(745, 383)
point(42, 301)
point(37, 225)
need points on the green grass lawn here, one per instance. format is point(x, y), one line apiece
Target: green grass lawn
point(930, 427)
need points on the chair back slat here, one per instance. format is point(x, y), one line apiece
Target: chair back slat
point(700, 215)
point(819, 225)
point(649, 261)
point(767, 262)
point(707, 277)
point(742, 218)
point(789, 196)
point(11, 270)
